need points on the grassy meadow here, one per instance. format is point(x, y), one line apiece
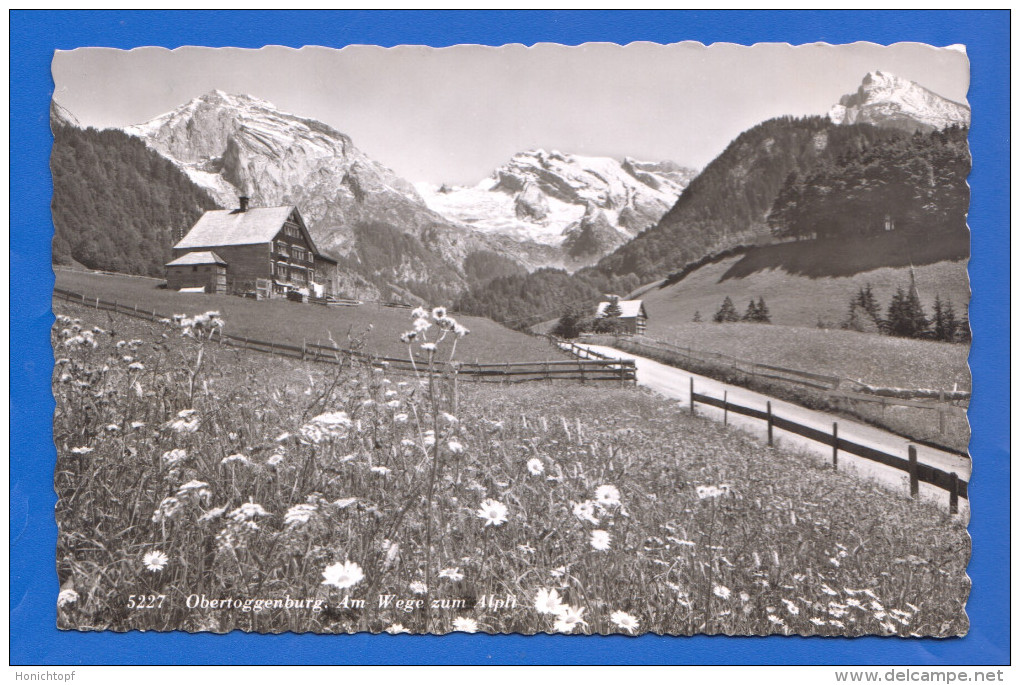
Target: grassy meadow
point(193, 477)
point(796, 295)
point(880, 360)
point(293, 323)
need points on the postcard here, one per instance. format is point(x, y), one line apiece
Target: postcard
point(597, 339)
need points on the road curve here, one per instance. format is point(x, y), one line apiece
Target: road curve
point(675, 383)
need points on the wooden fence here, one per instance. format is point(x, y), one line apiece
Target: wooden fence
point(596, 368)
point(918, 472)
point(831, 387)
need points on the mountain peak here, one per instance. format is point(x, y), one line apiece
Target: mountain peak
point(885, 99)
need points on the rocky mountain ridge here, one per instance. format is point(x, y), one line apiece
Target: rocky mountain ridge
point(583, 206)
point(887, 100)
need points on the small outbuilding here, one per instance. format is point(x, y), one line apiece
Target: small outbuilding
point(632, 314)
point(202, 269)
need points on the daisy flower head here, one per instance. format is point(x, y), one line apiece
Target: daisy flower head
point(419, 313)
point(721, 591)
point(421, 325)
point(452, 574)
point(455, 447)
point(428, 347)
point(549, 602)
point(66, 597)
point(155, 561)
point(572, 616)
point(418, 587)
point(494, 513)
point(345, 575)
point(585, 511)
point(600, 540)
point(463, 624)
point(397, 629)
point(536, 467)
point(460, 331)
point(624, 621)
point(439, 313)
point(607, 495)
point(407, 337)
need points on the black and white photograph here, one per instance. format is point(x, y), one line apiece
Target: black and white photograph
point(584, 340)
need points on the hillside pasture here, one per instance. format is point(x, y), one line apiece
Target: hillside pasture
point(795, 299)
point(878, 360)
point(189, 469)
point(294, 323)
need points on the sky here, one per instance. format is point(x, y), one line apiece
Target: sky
point(452, 115)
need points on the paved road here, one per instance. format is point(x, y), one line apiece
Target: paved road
point(675, 383)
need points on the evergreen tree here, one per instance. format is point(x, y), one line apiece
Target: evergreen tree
point(763, 311)
point(727, 312)
point(963, 328)
point(613, 310)
point(905, 317)
point(751, 315)
point(697, 317)
point(864, 314)
point(570, 324)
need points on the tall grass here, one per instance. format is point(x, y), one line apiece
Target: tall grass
point(190, 476)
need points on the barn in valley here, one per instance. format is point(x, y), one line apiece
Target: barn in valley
point(632, 314)
point(262, 252)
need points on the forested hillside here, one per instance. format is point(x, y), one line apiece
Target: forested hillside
point(116, 203)
point(727, 204)
point(914, 184)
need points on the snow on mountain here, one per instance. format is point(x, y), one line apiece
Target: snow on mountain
point(552, 198)
point(355, 207)
point(884, 99)
point(238, 144)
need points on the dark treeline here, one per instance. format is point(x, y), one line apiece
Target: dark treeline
point(116, 203)
point(917, 183)
point(905, 316)
point(525, 300)
point(727, 204)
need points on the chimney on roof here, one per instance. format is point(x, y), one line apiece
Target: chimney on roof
point(243, 199)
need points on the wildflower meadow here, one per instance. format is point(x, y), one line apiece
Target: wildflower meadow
point(203, 488)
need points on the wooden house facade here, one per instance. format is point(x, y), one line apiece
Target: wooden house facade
point(633, 315)
point(264, 252)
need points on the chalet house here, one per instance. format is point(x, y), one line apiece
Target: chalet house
point(257, 251)
point(633, 316)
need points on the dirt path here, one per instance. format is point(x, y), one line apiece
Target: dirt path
point(675, 383)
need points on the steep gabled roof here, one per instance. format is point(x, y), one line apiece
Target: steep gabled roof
point(234, 227)
point(191, 258)
point(628, 309)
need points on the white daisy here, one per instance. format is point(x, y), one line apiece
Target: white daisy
point(624, 621)
point(494, 513)
point(343, 575)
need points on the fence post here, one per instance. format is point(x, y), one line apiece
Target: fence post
point(954, 493)
point(692, 395)
point(304, 343)
point(942, 413)
point(768, 408)
point(835, 446)
point(725, 409)
point(912, 469)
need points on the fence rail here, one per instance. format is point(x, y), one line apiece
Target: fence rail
point(918, 472)
point(597, 368)
point(797, 376)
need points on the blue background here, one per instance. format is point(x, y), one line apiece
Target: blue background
point(35, 35)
